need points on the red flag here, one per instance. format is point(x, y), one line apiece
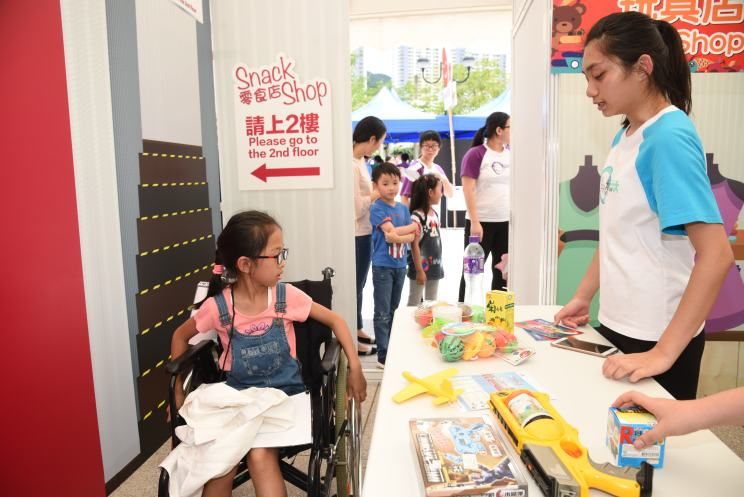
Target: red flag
point(445, 69)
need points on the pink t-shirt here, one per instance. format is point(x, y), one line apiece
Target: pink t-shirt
point(298, 309)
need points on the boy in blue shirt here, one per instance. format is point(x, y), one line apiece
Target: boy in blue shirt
point(392, 231)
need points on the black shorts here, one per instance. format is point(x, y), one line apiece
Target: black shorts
point(681, 380)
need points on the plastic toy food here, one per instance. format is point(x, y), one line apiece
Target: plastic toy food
point(424, 314)
point(451, 348)
point(478, 340)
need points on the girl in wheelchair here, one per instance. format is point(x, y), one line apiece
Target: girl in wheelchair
point(253, 311)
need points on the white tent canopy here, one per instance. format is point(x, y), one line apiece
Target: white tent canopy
point(387, 105)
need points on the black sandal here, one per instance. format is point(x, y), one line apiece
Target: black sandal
point(366, 340)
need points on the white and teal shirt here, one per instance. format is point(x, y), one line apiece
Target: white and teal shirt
point(653, 183)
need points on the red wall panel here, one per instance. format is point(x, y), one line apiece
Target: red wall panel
point(50, 443)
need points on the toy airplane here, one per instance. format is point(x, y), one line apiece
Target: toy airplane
point(437, 385)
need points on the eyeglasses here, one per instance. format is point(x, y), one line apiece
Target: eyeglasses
point(280, 258)
point(430, 146)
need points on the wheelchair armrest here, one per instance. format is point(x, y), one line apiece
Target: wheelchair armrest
point(330, 356)
point(182, 362)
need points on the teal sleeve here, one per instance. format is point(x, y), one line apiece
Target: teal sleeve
point(671, 166)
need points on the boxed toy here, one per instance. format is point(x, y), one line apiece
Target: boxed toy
point(500, 309)
point(626, 424)
point(465, 456)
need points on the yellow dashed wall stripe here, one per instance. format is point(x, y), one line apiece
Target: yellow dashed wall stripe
point(158, 216)
point(172, 156)
point(159, 324)
point(182, 183)
point(175, 245)
point(144, 418)
point(160, 363)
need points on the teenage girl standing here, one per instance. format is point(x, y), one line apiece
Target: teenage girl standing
point(663, 253)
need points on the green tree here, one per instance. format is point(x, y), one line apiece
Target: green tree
point(364, 88)
point(486, 82)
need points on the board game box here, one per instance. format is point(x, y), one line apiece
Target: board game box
point(465, 457)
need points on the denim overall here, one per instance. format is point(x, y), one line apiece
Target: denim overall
point(262, 360)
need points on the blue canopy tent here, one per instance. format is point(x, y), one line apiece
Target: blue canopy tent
point(502, 103)
point(404, 122)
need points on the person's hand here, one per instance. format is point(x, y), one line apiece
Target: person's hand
point(637, 366)
point(476, 230)
point(357, 384)
point(409, 238)
point(573, 314)
point(673, 417)
point(420, 278)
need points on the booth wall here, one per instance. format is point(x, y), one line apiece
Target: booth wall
point(318, 224)
point(718, 114)
point(531, 260)
point(91, 121)
point(49, 408)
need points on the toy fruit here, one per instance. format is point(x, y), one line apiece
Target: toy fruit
point(473, 344)
point(451, 348)
point(424, 313)
point(488, 348)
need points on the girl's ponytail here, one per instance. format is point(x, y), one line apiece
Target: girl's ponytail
point(677, 80)
point(217, 281)
point(478, 138)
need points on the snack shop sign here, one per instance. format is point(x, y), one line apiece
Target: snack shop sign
point(712, 31)
point(283, 126)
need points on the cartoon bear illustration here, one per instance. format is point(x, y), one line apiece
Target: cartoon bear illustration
point(566, 22)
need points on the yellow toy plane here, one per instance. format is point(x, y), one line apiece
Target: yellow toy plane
point(437, 385)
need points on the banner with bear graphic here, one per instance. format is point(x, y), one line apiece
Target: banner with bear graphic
point(711, 30)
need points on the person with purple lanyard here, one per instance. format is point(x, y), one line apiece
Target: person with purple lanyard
point(485, 182)
point(430, 142)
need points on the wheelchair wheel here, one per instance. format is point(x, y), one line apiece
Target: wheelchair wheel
point(354, 447)
point(348, 438)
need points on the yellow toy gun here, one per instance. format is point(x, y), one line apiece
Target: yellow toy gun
point(553, 454)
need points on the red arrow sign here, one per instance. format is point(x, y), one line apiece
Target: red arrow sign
point(262, 172)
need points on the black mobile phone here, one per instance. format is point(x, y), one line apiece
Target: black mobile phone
point(573, 343)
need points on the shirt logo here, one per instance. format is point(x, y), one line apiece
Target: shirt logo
point(497, 167)
point(606, 184)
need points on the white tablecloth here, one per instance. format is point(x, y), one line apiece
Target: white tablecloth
point(698, 464)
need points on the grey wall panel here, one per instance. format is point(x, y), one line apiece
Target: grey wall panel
point(89, 86)
point(318, 224)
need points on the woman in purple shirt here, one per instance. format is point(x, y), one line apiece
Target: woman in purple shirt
point(485, 183)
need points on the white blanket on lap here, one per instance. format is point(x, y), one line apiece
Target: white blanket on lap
point(222, 425)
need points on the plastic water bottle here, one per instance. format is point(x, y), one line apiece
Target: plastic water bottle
point(472, 267)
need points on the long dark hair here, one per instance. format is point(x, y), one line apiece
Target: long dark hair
point(420, 193)
point(494, 121)
point(246, 234)
point(628, 35)
point(367, 128)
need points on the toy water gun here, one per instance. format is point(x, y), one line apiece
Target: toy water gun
point(553, 454)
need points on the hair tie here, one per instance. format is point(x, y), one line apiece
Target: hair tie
point(218, 269)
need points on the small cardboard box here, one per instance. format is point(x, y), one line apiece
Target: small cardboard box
point(500, 309)
point(626, 424)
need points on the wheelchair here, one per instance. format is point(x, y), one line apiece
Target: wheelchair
point(335, 450)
